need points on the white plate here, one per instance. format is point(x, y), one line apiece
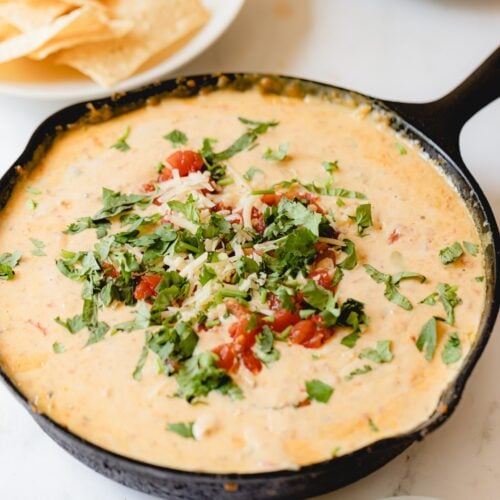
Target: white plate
point(222, 14)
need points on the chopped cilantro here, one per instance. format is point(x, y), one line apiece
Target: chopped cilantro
point(471, 248)
point(31, 204)
point(73, 325)
point(264, 348)
point(33, 190)
point(330, 166)
point(38, 247)
point(358, 371)
point(137, 373)
point(318, 391)
point(278, 155)
point(207, 274)
point(351, 260)
point(176, 137)
point(184, 429)
point(352, 315)
point(8, 261)
point(430, 300)
point(401, 149)
point(188, 209)
point(381, 354)
point(58, 348)
point(449, 298)
point(372, 425)
point(363, 218)
point(199, 375)
point(121, 144)
point(392, 285)
point(250, 173)
point(479, 279)
point(452, 350)
point(450, 254)
point(427, 339)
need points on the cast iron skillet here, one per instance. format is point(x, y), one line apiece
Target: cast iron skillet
point(436, 126)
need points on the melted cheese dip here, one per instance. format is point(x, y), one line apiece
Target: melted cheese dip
point(90, 390)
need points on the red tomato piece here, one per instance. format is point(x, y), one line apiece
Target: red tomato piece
point(271, 199)
point(148, 188)
point(322, 276)
point(165, 175)
point(251, 362)
point(283, 319)
point(258, 220)
point(110, 270)
point(186, 162)
point(302, 331)
point(227, 358)
point(147, 286)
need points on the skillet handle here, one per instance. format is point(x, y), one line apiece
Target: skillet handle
point(442, 120)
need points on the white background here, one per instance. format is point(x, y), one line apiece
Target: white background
point(413, 50)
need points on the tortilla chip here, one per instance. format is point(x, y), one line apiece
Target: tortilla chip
point(63, 32)
point(156, 25)
point(30, 15)
point(90, 27)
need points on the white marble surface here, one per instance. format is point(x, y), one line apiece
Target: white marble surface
point(413, 50)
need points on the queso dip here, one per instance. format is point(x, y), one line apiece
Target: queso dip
point(237, 282)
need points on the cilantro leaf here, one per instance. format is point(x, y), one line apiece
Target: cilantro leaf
point(8, 261)
point(264, 347)
point(352, 314)
point(427, 339)
point(58, 348)
point(188, 209)
point(176, 137)
point(115, 203)
point(38, 247)
point(452, 350)
point(450, 254)
point(363, 218)
point(318, 391)
point(207, 274)
point(392, 283)
point(430, 300)
point(401, 149)
point(381, 354)
point(330, 166)
point(351, 260)
point(471, 248)
point(449, 298)
point(249, 174)
point(358, 371)
point(184, 429)
point(73, 325)
point(279, 155)
point(121, 144)
point(199, 375)
point(137, 373)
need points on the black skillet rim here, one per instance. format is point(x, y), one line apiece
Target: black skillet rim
point(193, 85)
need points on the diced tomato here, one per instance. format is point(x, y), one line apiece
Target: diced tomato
point(271, 199)
point(258, 220)
point(185, 162)
point(394, 236)
point(227, 357)
point(302, 331)
point(251, 362)
point(165, 175)
point(322, 276)
point(110, 270)
point(283, 319)
point(149, 187)
point(147, 286)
